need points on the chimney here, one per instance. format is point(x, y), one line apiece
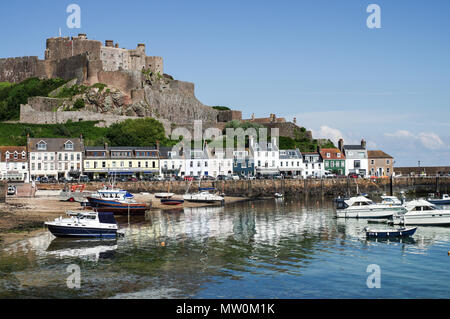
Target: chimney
point(253, 116)
point(82, 36)
point(341, 145)
point(106, 146)
point(109, 43)
point(363, 143)
point(157, 145)
point(295, 120)
point(117, 45)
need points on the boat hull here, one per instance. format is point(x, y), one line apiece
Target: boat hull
point(439, 201)
point(79, 232)
point(118, 208)
point(423, 220)
point(407, 232)
point(371, 213)
point(172, 202)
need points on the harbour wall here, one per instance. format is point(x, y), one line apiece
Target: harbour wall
point(309, 187)
point(3, 189)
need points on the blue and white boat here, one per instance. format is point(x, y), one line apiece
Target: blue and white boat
point(445, 200)
point(390, 233)
point(119, 202)
point(84, 225)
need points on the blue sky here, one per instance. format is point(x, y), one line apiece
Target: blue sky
point(313, 60)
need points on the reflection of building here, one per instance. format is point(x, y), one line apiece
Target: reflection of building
point(122, 161)
point(55, 157)
point(380, 163)
point(14, 163)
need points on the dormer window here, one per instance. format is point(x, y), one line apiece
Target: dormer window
point(41, 146)
point(16, 155)
point(339, 155)
point(68, 146)
point(328, 155)
point(7, 155)
point(24, 155)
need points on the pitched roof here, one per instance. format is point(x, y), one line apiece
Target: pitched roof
point(378, 154)
point(55, 144)
point(11, 150)
point(333, 154)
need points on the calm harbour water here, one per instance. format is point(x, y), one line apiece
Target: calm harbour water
point(264, 249)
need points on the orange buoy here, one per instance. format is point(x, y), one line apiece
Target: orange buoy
point(163, 244)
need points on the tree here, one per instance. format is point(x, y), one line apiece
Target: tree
point(140, 132)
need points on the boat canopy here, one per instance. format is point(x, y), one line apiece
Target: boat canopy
point(418, 203)
point(106, 218)
point(359, 199)
point(206, 189)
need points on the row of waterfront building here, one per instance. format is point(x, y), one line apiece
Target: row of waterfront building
point(69, 158)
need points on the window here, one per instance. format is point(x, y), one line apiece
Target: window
point(339, 155)
point(88, 164)
point(328, 155)
point(372, 162)
point(103, 164)
point(388, 162)
point(41, 146)
point(68, 146)
point(357, 164)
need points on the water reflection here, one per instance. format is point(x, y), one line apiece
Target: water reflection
point(180, 253)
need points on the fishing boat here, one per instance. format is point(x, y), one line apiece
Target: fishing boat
point(120, 202)
point(84, 225)
point(172, 202)
point(362, 207)
point(204, 196)
point(445, 200)
point(422, 213)
point(390, 233)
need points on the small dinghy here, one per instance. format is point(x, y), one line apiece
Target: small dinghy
point(390, 233)
point(278, 195)
point(164, 195)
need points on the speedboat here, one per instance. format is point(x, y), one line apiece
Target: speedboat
point(445, 200)
point(422, 212)
point(362, 207)
point(119, 202)
point(84, 225)
point(204, 196)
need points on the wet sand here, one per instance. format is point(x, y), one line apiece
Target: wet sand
point(24, 217)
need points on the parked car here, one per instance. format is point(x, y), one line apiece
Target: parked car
point(251, 178)
point(235, 177)
point(329, 175)
point(84, 179)
point(353, 175)
point(43, 180)
point(11, 190)
point(52, 180)
point(188, 178)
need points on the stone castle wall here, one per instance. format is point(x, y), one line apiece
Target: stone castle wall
point(126, 81)
point(19, 69)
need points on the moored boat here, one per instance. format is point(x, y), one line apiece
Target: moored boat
point(84, 225)
point(422, 213)
point(204, 196)
point(362, 207)
point(445, 200)
point(388, 233)
point(164, 195)
point(172, 202)
point(119, 202)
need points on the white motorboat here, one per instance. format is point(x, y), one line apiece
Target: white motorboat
point(204, 196)
point(391, 200)
point(84, 225)
point(422, 213)
point(362, 207)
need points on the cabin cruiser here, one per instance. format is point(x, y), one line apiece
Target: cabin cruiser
point(421, 212)
point(204, 196)
point(84, 225)
point(362, 207)
point(391, 200)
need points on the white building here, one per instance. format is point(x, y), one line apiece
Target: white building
point(290, 163)
point(55, 157)
point(314, 166)
point(14, 164)
point(266, 157)
point(356, 158)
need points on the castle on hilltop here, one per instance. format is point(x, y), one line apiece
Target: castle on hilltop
point(89, 61)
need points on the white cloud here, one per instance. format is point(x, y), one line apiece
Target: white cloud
point(328, 133)
point(430, 141)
